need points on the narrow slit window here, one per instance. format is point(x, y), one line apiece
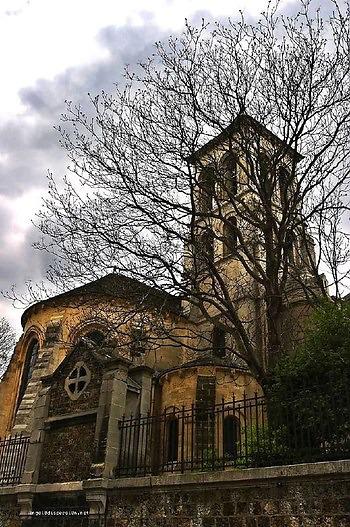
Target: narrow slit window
point(172, 439)
point(231, 430)
point(206, 189)
point(30, 361)
point(206, 246)
point(229, 181)
point(283, 185)
point(219, 342)
point(230, 236)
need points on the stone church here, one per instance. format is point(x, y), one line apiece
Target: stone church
point(87, 383)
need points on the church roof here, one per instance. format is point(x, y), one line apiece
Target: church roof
point(115, 286)
point(208, 359)
point(237, 123)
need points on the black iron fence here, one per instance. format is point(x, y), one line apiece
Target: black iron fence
point(310, 425)
point(13, 453)
point(242, 433)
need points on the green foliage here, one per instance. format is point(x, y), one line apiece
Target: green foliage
point(309, 391)
point(262, 446)
point(326, 348)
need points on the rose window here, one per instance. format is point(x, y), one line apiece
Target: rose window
point(77, 380)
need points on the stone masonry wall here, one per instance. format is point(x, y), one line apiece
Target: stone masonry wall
point(276, 503)
point(60, 403)
point(68, 452)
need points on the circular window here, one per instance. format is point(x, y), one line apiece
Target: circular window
point(77, 380)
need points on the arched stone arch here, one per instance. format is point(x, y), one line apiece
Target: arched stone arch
point(33, 332)
point(31, 345)
point(86, 327)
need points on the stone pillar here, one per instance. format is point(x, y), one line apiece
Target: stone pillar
point(102, 419)
point(32, 466)
point(96, 499)
point(116, 412)
point(25, 503)
point(143, 375)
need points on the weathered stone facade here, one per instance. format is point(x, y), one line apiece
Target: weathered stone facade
point(68, 451)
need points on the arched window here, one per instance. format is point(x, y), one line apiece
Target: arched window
point(219, 342)
point(95, 336)
point(231, 431)
point(229, 177)
point(230, 236)
point(29, 364)
point(206, 189)
point(33, 355)
point(172, 436)
point(289, 246)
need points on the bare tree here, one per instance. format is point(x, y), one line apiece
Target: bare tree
point(7, 344)
point(220, 174)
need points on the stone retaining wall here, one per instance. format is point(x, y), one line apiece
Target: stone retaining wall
point(297, 501)
point(306, 495)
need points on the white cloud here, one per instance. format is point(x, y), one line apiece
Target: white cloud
point(42, 38)
point(20, 213)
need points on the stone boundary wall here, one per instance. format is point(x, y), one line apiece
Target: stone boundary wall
point(312, 495)
point(305, 495)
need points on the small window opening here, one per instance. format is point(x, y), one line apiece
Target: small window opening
point(206, 189)
point(283, 185)
point(229, 184)
point(172, 438)
point(206, 245)
point(138, 341)
point(96, 336)
point(219, 342)
point(265, 175)
point(230, 236)
point(290, 246)
point(231, 431)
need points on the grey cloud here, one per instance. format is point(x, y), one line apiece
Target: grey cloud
point(33, 148)
point(30, 143)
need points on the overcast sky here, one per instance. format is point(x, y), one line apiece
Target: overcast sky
point(52, 50)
